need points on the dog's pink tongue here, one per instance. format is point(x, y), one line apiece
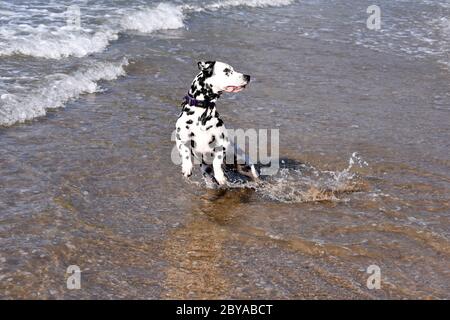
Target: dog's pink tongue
point(233, 89)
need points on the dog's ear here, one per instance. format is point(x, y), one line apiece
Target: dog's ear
point(206, 67)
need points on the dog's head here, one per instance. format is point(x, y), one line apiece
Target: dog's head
point(216, 77)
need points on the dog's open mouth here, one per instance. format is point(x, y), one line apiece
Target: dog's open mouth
point(235, 88)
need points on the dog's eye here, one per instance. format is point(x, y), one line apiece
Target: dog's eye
point(227, 71)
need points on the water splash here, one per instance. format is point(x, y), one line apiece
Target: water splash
point(299, 183)
point(305, 183)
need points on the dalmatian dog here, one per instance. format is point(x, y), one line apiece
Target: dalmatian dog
point(200, 132)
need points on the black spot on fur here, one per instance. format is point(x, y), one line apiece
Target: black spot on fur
point(219, 123)
point(193, 144)
point(207, 119)
point(189, 122)
point(178, 137)
point(192, 134)
point(207, 67)
point(209, 127)
point(199, 87)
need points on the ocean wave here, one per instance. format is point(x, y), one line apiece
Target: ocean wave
point(52, 39)
point(224, 4)
point(168, 16)
point(248, 3)
point(57, 90)
point(162, 17)
point(54, 43)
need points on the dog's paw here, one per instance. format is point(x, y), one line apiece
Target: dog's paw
point(220, 178)
point(186, 169)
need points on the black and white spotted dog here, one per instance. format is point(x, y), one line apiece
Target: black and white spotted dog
point(199, 130)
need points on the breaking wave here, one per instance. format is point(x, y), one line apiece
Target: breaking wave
point(164, 16)
point(56, 92)
point(55, 42)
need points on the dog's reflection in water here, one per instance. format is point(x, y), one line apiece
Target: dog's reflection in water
point(195, 252)
point(222, 205)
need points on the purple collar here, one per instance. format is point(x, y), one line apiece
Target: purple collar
point(190, 100)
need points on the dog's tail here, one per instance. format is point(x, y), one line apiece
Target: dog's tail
point(247, 168)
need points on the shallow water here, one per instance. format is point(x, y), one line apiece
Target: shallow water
point(93, 184)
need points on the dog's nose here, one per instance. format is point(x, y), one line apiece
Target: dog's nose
point(247, 77)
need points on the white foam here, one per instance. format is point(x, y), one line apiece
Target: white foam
point(248, 3)
point(54, 43)
point(162, 17)
point(57, 90)
point(236, 3)
point(423, 37)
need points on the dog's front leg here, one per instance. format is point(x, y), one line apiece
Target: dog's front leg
point(186, 161)
point(217, 167)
